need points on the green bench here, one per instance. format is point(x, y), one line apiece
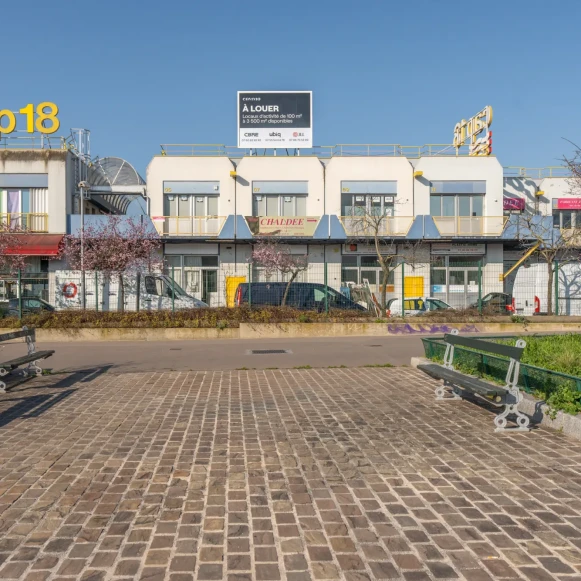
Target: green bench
point(32, 358)
point(456, 382)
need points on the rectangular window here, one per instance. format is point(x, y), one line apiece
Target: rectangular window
point(460, 205)
point(279, 205)
point(366, 204)
point(187, 205)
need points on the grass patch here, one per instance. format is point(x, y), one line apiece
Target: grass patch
point(378, 365)
point(303, 367)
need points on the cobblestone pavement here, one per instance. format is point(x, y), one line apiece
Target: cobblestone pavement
point(277, 475)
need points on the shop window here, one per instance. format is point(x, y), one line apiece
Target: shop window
point(566, 219)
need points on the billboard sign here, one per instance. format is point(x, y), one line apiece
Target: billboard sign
point(275, 119)
point(281, 226)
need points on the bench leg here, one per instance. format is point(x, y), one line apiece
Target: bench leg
point(522, 420)
point(3, 372)
point(34, 369)
point(443, 393)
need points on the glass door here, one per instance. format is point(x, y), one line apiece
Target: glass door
point(210, 287)
point(457, 288)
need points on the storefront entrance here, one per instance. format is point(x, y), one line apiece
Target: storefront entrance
point(454, 280)
point(197, 275)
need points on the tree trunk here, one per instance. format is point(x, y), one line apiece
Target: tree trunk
point(550, 288)
point(283, 302)
point(385, 273)
point(121, 294)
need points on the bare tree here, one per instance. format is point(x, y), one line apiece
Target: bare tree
point(275, 257)
point(382, 230)
point(538, 236)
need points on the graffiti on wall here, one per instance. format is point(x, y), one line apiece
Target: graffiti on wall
point(407, 329)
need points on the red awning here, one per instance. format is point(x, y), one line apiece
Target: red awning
point(36, 244)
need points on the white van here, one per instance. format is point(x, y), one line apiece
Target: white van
point(155, 292)
point(530, 290)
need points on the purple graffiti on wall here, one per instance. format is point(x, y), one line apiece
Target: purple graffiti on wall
point(407, 329)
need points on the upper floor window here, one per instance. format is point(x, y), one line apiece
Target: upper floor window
point(182, 205)
point(279, 198)
point(368, 198)
point(24, 208)
point(457, 198)
point(281, 205)
point(367, 205)
point(190, 198)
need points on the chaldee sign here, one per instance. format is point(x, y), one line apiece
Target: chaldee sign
point(282, 226)
point(275, 119)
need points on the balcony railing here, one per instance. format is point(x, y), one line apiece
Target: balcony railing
point(556, 171)
point(470, 225)
point(25, 221)
point(189, 225)
point(370, 226)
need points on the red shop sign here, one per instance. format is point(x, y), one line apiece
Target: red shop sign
point(513, 204)
point(569, 203)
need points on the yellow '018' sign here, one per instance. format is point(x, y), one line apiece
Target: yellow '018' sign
point(43, 118)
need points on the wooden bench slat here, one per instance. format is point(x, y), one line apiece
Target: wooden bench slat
point(487, 346)
point(461, 380)
point(13, 363)
point(17, 335)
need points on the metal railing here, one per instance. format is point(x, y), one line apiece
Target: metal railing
point(370, 226)
point(33, 141)
point(189, 225)
point(556, 171)
point(322, 151)
point(470, 225)
point(25, 221)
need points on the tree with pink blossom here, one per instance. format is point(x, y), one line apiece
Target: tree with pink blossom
point(275, 257)
point(12, 242)
point(115, 247)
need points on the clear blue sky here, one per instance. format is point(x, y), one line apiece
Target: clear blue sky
point(138, 74)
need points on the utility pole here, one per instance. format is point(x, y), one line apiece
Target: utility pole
point(82, 187)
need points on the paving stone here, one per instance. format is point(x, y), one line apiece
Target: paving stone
point(285, 474)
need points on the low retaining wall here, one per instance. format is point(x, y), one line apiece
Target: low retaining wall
point(297, 330)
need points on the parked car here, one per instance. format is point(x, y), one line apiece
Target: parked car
point(496, 302)
point(30, 305)
point(301, 295)
point(416, 306)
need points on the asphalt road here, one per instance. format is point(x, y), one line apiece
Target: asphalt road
point(225, 354)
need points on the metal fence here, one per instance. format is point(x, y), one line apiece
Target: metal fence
point(353, 282)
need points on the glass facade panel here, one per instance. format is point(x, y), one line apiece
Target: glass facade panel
point(478, 205)
point(464, 206)
point(448, 206)
point(435, 205)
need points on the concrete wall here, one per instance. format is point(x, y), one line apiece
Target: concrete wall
point(397, 169)
point(524, 188)
point(308, 169)
point(554, 188)
point(460, 168)
point(57, 164)
point(163, 168)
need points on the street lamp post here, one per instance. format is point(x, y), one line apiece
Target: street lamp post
point(82, 187)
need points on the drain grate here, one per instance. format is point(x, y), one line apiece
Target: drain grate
point(268, 351)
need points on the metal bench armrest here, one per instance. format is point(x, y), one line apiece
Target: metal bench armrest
point(449, 355)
